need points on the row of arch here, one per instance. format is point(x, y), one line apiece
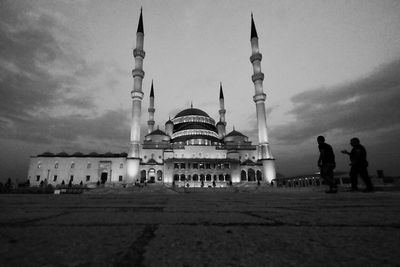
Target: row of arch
point(251, 175)
point(202, 177)
point(151, 175)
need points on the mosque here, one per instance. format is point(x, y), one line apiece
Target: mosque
point(193, 150)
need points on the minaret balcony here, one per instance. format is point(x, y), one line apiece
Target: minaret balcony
point(259, 98)
point(137, 73)
point(137, 95)
point(151, 110)
point(256, 56)
point(139, 53)
point(257, 76)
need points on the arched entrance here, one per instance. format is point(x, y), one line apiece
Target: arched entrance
point(152, 175)
point(143, 176)
point(259, 175)
point(159, 175)
point(243, 175)
point(103, 177)
point(251, 175)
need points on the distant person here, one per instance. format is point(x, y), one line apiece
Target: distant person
point(326, 164)
point(359, 164)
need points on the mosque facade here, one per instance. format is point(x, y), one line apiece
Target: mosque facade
point(193, 150)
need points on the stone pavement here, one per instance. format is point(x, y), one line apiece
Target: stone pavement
point(270, 228)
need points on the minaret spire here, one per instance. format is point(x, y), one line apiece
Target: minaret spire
point(253, 33)
point(140, 24)
point(221, 125)
point(133, 159)
point(259, 98)
point(151, 110)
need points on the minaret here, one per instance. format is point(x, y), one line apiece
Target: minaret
point(151, 110)
point(221, 125)
point(264, 152)
point(133, 158)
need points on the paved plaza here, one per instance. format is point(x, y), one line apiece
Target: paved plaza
point(261, 228)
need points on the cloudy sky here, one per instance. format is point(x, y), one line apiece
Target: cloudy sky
point(331, 68)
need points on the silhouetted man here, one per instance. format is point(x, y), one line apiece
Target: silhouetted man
point(359, 164)
point(326, 164)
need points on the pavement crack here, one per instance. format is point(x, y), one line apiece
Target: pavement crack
point(135, 254)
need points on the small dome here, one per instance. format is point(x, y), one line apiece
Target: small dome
point(157, 132)
point(77, 154)
point(235, 133)
point(62, 154)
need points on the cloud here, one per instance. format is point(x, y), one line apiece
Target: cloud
point(364, 105)
point(43, 83)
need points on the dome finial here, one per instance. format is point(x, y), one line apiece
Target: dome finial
point(233, 127)
point(191, 104)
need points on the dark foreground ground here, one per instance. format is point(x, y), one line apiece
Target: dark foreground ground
point(276, 228)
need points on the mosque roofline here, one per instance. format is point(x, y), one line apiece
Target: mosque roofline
point(81, 155)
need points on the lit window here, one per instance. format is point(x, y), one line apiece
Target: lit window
point(201, 165)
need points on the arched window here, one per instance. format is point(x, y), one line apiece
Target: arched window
point(227, 177)
point(243, 175)
point(208, 177)
point(159, 175)
point(221, 177)
point(183, 177)
point(201, 177)
point(195, 177)
point(251, 175)
point(176, 177)
point(259, 175)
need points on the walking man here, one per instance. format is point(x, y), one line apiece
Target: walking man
point(359, 164)
point(326, 164)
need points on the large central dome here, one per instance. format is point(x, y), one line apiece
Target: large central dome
point(191, 111)
point(193, 126)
